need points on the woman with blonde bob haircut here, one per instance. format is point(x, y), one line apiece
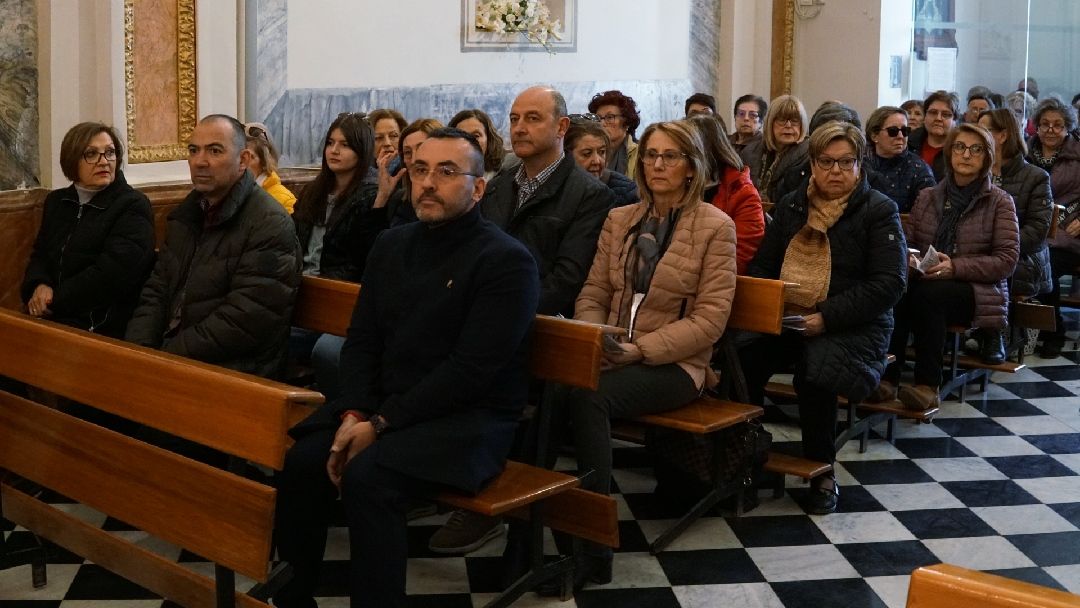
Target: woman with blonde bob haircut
point(971, 223)
point(782, 146)
point(664, 270)
point(840, 241)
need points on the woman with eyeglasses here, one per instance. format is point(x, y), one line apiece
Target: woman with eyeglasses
point(1029, 187)
point(588, 144)
point(664, 270)
point(971, 224)
point(1055, 148)
point(901, 174)
point(729, 187)
point(840, 242)
point(620, 118)
point(782, 146)
point(263, 164)
point(95, 247)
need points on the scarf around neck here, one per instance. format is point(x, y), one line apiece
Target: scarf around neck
point(957, 200)
point(808, 259)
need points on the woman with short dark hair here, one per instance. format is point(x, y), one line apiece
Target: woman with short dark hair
point(840, 241)
point(477, 123)
point(95, 247)
point(588, 144)
point(900, 173)
point(620, 118)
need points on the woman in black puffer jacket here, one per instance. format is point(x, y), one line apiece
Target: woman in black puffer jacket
point(95, 247)
point(1029, 187)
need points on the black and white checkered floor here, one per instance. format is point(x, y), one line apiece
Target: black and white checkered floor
point(992, 484)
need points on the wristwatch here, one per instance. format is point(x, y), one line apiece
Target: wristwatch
point(379, 424)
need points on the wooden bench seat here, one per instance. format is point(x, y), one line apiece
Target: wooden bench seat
point(703, 416)
point(214, 513)
point(562, 351)
point(949, 586)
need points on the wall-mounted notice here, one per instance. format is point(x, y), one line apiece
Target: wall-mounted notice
point(940, 68)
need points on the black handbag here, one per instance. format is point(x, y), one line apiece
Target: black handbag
point(689, 466)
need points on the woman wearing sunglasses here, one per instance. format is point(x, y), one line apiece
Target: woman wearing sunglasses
point(95, 247)
point(901, 174)
point(263, 165)
point(971, 224)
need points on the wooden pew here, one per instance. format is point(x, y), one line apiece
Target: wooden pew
point(948, 586)
point(562, 351)
point(211, 512)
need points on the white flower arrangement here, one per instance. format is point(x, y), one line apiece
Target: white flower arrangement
point(529, 17)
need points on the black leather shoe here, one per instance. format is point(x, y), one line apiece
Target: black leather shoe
point(589, 569)
point(823, 498)
point(991, 346)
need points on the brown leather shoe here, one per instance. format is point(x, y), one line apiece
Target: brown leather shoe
point(919, 397)
point(884, 392)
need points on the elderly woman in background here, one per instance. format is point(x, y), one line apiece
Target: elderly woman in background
point(782, 146)
point(665, 271)
point(263, 164)
point(729, 187)
point(587, 143)
point(1029, 187)
point(914, 110)
point(620, 118)
point(1056, 149)
point(1022, 106)
point(971, 223)
point(387, 125)
point(477, 123)
point(95, 247)
point(841, 241)
point(901, 174)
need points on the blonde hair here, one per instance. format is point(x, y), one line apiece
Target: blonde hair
point(784, 107)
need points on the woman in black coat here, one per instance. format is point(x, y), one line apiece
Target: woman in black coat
point(901, 174)
point(95, 247)
point(841, 241)
point(1029, 187)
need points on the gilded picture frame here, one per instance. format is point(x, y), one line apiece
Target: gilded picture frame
point(152, 137)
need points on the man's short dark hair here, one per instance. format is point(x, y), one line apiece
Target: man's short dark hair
point(701, 99)
point(239, 137)
point(477, 160)
point(763, 106)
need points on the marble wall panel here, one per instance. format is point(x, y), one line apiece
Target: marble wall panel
point(156, 63)
point(18, 95)
point(271, 54)
point(299, 120)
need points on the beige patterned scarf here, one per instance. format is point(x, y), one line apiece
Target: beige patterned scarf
point(808, 259)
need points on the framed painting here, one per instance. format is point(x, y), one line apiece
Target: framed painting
point(519, 26)
point(159, 75)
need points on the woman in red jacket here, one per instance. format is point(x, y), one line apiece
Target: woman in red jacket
point(730, 188)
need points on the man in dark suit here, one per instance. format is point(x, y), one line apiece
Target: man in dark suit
point(556, 209)
point(434, 374)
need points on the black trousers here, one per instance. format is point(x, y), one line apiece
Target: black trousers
point(1062, 262)
point(373, 500)
point(924, 312)
point(769, 355)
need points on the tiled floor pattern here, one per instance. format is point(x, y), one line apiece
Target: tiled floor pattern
point(992, 484)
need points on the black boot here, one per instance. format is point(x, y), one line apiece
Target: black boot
point(991, 345)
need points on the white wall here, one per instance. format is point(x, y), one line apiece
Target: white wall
point(896, 23)
point(745, 52)
point(347, 44)
point(836, 55)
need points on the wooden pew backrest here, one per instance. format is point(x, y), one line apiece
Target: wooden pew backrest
point(948, 586)
point(173, 394)
point(758, 305)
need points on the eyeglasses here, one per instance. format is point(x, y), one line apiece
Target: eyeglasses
point(1047, 127)
point(439, 175)
point(747, 114)
point(670, 158)
point(826, 164)
point(257, 130)
point(943, 114)
point(609, 118)
point(789, 122)
point(92, 156)
point(578, 119)
point(894, 131)
point(975, 149)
